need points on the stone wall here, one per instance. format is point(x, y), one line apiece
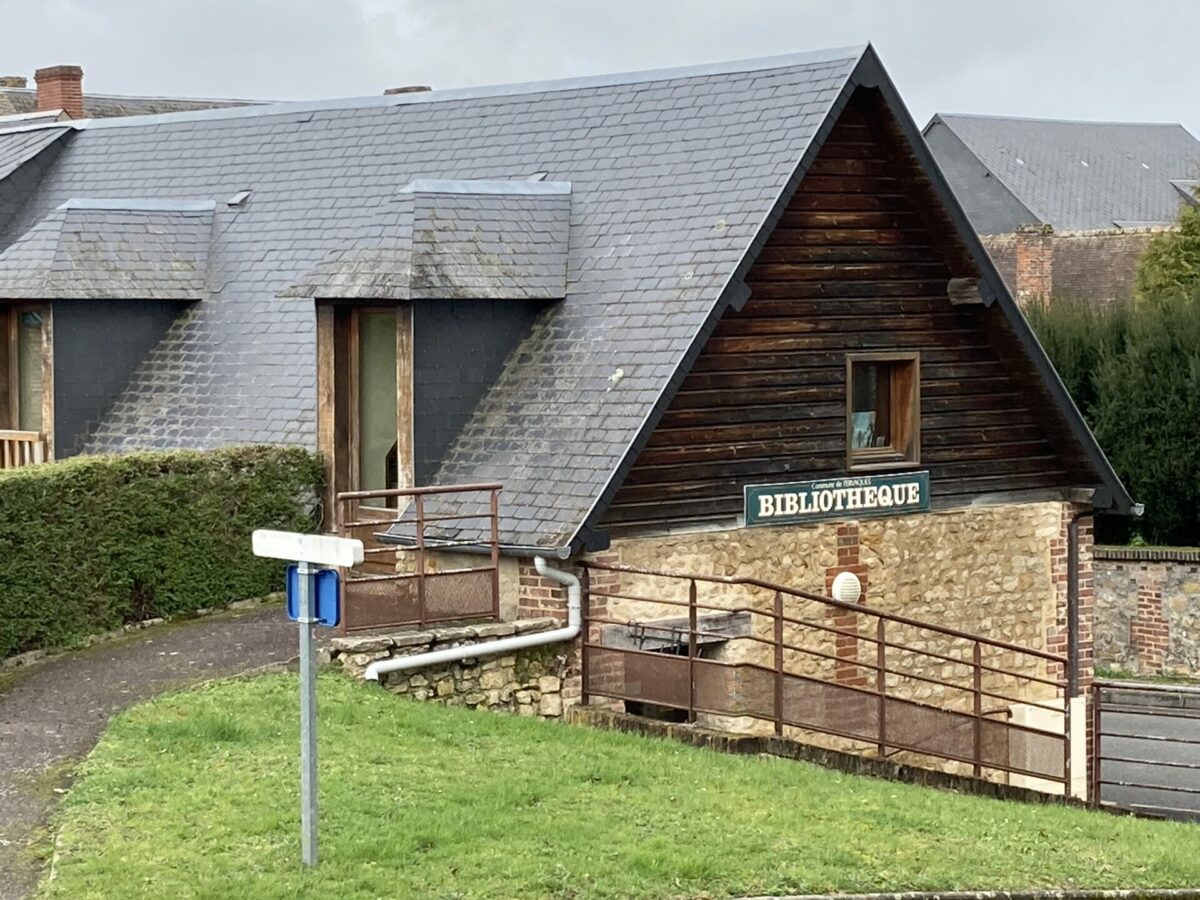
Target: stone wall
point(998, 571)
point(1148, 611)
point(528, 682)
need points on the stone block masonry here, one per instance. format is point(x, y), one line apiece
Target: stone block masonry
point(529, 682)
point(1148, 610)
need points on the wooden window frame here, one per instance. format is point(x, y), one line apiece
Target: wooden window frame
point(337, 394)
point(10, 317)
point(905, 413)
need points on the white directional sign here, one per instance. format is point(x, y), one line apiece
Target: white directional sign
point(307, 551)
point(322, 549)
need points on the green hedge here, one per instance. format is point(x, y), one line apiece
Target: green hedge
point(93, 542)
point(1134, 372)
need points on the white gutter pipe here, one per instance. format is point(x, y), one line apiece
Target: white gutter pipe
point(491, 648)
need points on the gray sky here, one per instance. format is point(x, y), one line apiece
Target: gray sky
point(1080, 59)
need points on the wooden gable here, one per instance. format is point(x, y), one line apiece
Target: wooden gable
point(864, 258)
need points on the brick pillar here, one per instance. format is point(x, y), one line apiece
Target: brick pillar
point(60, 87)
point(605, 671)
point(1058, 632)
point(539, 597)
point(846, 645)
point(1149, 632)
point(1034, 263)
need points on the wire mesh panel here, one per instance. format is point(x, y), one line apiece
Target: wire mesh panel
point(378, 604)
point(458, 595)
point(415, 571)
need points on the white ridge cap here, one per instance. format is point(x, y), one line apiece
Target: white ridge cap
point(468, 186)
point(140, 204)
point(812, 57)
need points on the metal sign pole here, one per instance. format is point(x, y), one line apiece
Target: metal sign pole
point(308, 720)
point(313, 598)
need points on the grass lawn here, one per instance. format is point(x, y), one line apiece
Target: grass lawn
point(195, 795)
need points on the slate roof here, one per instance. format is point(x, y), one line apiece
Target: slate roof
point(106, 250)
point(675, 179)
point(473, 240)
point(18, 101)
point(19, 147)
point(1084, 175)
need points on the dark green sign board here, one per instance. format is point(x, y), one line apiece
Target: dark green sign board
point(837, 498)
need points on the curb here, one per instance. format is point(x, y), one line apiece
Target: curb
point(1147, 894)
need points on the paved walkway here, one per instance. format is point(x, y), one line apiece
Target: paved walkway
point(56, 710)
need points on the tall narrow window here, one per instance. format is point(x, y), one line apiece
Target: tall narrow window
point(883, 410)
point(29, 371)
point(377, 401)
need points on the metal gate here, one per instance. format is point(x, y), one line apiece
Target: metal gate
point(1146, 753)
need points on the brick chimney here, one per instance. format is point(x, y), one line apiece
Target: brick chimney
point(60, 87)
point(12, 81)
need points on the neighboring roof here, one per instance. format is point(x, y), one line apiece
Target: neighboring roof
point(111, 250)
point(1083, 175)
point(676, 178)
point(467, 239)
point(20, 101)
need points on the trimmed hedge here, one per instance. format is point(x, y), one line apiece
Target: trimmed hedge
point(91, 543)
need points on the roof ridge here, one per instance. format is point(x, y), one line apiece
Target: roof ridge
point(583, 82)
point(1056, 121)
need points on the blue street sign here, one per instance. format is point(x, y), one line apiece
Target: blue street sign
point(327, 596)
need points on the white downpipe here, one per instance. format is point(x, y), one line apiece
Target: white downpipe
point(491, 648)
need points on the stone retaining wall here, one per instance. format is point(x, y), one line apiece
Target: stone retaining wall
point(1148, 610)
point(529, 682)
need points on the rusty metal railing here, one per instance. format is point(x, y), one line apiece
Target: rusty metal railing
point(402, 581)
point(729, 648)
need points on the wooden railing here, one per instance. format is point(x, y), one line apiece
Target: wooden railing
point(21, 448)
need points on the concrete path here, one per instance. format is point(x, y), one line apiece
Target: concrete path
point(53, 713)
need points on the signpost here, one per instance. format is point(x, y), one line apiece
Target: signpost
point(836, 498)
point(314, 597)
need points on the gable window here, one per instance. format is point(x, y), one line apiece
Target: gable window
point(882, 410)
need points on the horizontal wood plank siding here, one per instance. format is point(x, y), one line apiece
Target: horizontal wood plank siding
point(858, 262)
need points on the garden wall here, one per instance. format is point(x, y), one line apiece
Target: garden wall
point(528, 682)
point(92, 543)
point(1148, 610)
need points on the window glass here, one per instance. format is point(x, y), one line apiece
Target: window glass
point(29, 372)
point(377, 402)
point(871, 409)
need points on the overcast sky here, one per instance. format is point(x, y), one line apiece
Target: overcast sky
point(1130, 60)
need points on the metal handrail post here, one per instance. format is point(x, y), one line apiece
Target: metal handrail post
point(881, 683)
point(420, 510)
point(495, 555)
point(778, 663)
point(977, 689)
point(585, 617)
point(691, 650)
